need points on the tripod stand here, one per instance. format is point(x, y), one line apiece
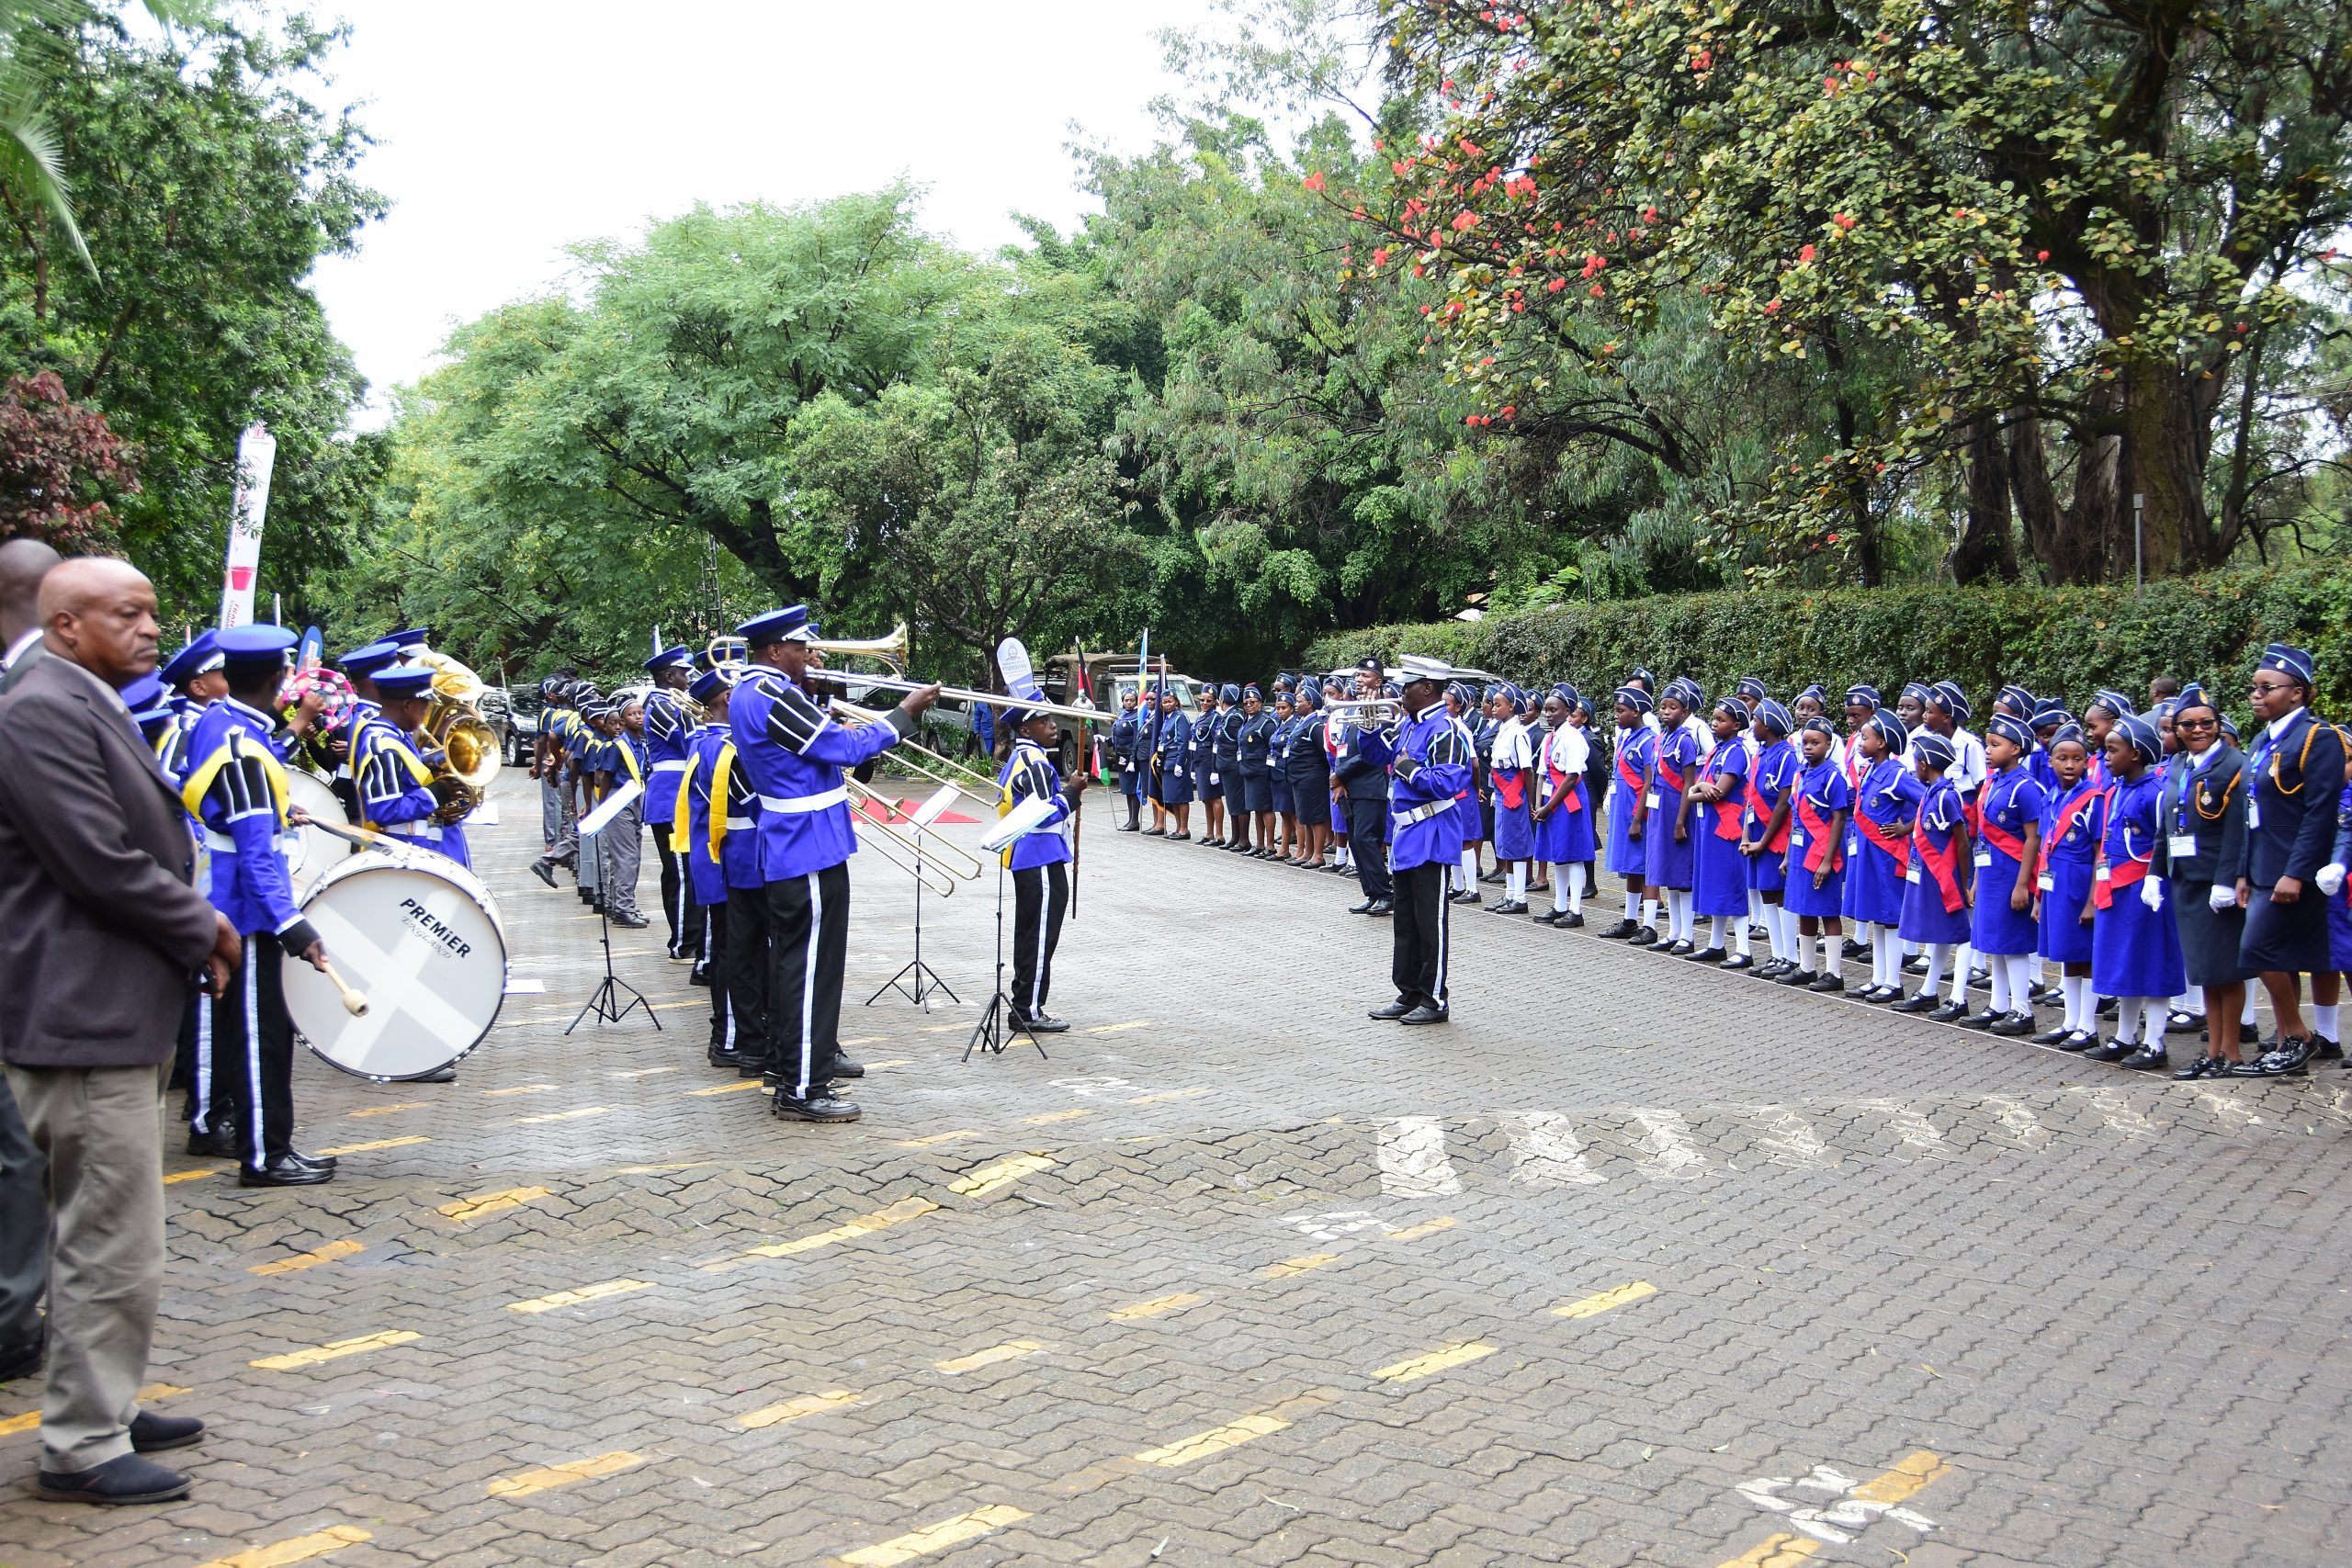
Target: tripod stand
point(605, 1001)
point(926, 978)
point(998, 1027)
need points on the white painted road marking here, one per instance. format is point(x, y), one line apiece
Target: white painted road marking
point(1413, 1162)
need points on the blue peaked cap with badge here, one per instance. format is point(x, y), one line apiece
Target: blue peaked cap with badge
point(200, 655)
point(404, 681)
point(368, 658)
point(254, 648)
point(790, 624)
point(668, 657)
point(709, 684)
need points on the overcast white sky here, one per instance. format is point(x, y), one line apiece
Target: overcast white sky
point(508, 129)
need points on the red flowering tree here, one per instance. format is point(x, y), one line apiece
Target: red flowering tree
point(59, 465)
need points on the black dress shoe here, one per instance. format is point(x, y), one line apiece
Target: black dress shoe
point(1985, 1020)
point(1154, 832)
point(1853, 948)
point(1127, 828)
point(1382, 907)
point(316, 1162)
point(1496, 877)
point(2182, 1022)
point(2106, 1007)
point(1919, 1002)
point(1950, 1013)
point(123, 1480)
point(750, 1066)
point(1706, 955)
point(2078, 1040)
point(1508, 907)
point(1425, 1014)
point(1646, 936)
point(1915, 964)
point(2014, 1026)
point(1737, 960)
point(543, 872)
point(1548, 917)
point(723, 1056)
point(1793, 976)
point(1571, 921)
point(1471, 897)
point(20, 1360)
point(2048, 1036)
point(1681, 948)
point(1980, 977)
point(283, 1172)
point(438, 1075)
point(2204, 1067)
point(221, 1143)
point(1828, 984)
point(152, 1434)
point(630, 922)
point(1362, 908)
point(1396, 1008)
point(698, 976)
point(2149, 1058)
point(2326, 1050)
point(2110, 1051)
point(1619, 931)
point(821, 1105)
point(2045, 994)
point(2291, 1060)
point(845, 1068)
point(1045, 1023)
point(1180, 838)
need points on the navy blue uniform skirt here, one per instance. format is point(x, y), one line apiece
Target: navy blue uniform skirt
point(2285, 938)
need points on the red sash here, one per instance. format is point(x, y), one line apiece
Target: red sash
point(1726, 811)
point(1511, 788)
point(2001, 838)
point(1569, 799)
point(1627, 776)
point(1820, 846)
point(1943, 866)
point(2061, 827)
point(1756, 803)
point(2118, 877)
point(1667, 774)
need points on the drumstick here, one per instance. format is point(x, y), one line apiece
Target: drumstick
point(353, 1002)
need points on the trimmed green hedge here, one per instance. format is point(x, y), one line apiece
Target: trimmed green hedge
point(2064, 641)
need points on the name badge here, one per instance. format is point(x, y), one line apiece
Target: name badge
point(1650, 800)
point(2046, 882)
point(2101, 874)
point(1984, 857)
point(1853, 843)
point(1911, 872)
point(2182, 845)
point(2253, 812)
point(1796, 836)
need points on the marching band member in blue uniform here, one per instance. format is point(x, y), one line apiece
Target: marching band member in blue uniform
point(1427, 759)
point(795, 753)
point(1363, 776)
point(236, 787)
point(666, 732)
point(1253, 767)
point(716, 825)
point(197, 681)
point(2294, 771)
point(1461, 703)
point(1127, 742)
point(551, 765)
point(1171, 748)
point(1512, 764)
point(395, 787)
point(1039, 859)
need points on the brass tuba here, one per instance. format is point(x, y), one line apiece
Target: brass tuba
point(891, 649)
point(464, 752)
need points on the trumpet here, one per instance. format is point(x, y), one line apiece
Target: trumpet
point(938, 864)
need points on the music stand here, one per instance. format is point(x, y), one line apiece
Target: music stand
point(605, 1001)
point(926, 978)
point(998, 1028)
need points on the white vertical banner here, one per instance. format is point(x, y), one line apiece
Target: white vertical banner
point(257, 455)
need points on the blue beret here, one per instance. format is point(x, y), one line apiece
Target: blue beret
point(1933, 748)
point(370, 658)
point(1815, 693)
point(1774, 715)
point(2193, 695)
point(2018, 697)
point(2115, 702)
point(249, 648)
point(2287, 659)
point(1918, 689)
point(1633, 697)
point(404, 681)
point(1229, 693)
point(668, 656)
point(2142, 735)
point(2013, 730)
point(1948, 695)
point(1865, 694)
point(1889, 730)
point(790, 622)
point(2067, 731)
point(1251, 691)
point(1735, 708)
point(709, 684)
point(146, 699)
point(201, 654)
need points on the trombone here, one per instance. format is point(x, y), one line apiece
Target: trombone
point(937, 863)
point(963, 693)
point(938, 769)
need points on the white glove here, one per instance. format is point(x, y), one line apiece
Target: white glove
point(2223, 896)
point(2330, 880)
point(2152, 892)
point(1213, 779)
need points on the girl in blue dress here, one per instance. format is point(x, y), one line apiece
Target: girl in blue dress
point(1667, 865)
point(1814, 864)
point(2135, 942)
point(1719, 872)
point(1513, 771)
point(1628, 790)
point(2009, 835)
point(1766, 844)
point(2068, 845)
point(1878, 848)
point(1935, 888)
point(1563, 811)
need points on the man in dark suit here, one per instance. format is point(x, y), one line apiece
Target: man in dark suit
point(24, 1175)
point(103, 935)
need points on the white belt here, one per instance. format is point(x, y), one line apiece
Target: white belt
point(411, 830)
point(796, 804)
point(214, 840)
point(745, 822)
point(679, 766)
point(1423, 813)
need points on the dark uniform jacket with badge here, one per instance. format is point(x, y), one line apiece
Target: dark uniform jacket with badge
point(2213, 811)
point(2292, 785)
point(103, 931)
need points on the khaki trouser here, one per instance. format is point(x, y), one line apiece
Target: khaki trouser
point(101, 1132)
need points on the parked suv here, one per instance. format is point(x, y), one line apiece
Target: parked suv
point(518, 722)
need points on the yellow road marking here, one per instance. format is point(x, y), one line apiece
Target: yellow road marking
point(1215, 1440)
point(1004, 1173)
point(179, 1175)
point(1153, 1307)
point(1910, 1473)
point(794, 1409)
point(1114, 1028)
point(302, 1548)
point(1011, 1351)
point(379, 1144)
point(1776, 1551)
point(940, 1138)
point(649, 1169)
point(1290, 1266)
point(555, 1475)
point(310, 1259)
point(727, 1087)
point(1617, 1296)
point(388, 1110)
point(1427, 1227)
point(897, 1214)
point(562, 1115)
point(518, 1089)
point(31, 1419)
point(335, 1350)
point(1172, 1094)
point(1435, 1361)
point(482, 1204)
point(584, 1294)
point(1055, 1116)
point(936, 1538)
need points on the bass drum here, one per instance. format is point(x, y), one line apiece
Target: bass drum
point(419, 936)
point(309, 851)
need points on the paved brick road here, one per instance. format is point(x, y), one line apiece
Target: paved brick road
point(1632, 1264)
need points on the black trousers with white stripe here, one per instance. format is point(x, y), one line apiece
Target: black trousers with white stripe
point(1419, 930)
point(710, 956)
point(1040, 899)
point(253, 1051)
point(684, 916)
point(808, 950)
point(738, 959)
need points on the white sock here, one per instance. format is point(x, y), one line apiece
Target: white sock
point(2000, 984)
point(1632, 905)
point(1723, 934)
point(1962, 961)
point(2246, 1010)
point(1809, 954)
point(1886, 962)
point(1469, 870)
point(1559, 888)
point(1684, 916)
point(1833, 955)
point(2081, 1010)
point(2126, 1019)
point(2190, 1001)
point(1939, 955)
point(2020, 982)
point(1576, 896)
point(1515, 883)
point(1739, 935)
point(1787, 926)
point(2323, 1021)
point(1649, 912)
